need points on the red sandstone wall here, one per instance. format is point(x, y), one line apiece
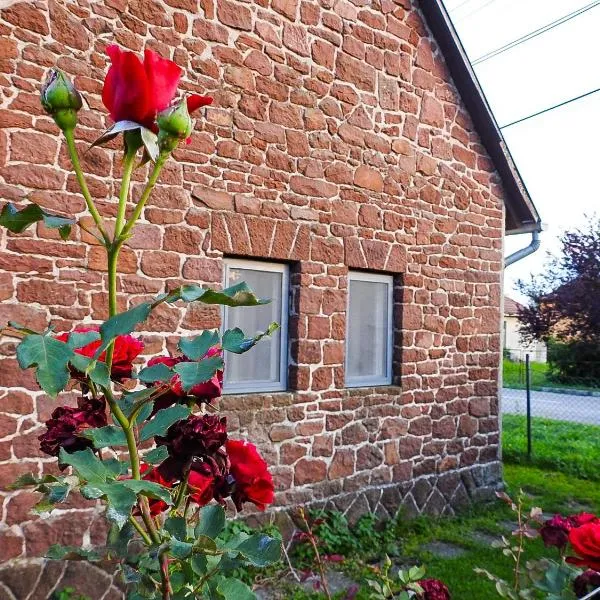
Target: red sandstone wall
point(336, 140)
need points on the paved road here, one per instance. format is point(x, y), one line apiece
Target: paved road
point(566, 407)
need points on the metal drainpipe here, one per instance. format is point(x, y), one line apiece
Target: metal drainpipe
point(523, 252)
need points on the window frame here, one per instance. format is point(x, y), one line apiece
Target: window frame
point(371, 381)
point(272, 267)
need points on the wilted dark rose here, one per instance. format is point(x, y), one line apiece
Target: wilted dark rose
point(585, 541)
point(586, 582)
point(555, 531)
point(434, 589)
point(583, 518)
point(252, 480)
point(137, 91)
point(197, 438)
point(67, 423)
point(126, 350)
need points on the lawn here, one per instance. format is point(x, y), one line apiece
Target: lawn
point(570, 448)
point(513, 376)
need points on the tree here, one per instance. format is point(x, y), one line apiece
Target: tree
point(564, 303)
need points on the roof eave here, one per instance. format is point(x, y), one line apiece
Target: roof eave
point(522, 216)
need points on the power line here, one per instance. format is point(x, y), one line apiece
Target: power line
point(535, 33)
point(475, 10)
point(459, 6)
point(541, 112)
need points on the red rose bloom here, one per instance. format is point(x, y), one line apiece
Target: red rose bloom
point(583, 518)
point(585, 541)
point(252, 480)
point(127, 349)
point(67, 423)
point(586, 582)
point(434, 589)
point(201, 487)
point(197, 439)
point(555, 531)
point(137, 91)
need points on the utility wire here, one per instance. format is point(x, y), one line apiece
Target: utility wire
point(535, 33)
point(475, 10)
point(541, 112)
point(459, 6)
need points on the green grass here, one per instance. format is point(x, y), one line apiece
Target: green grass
point(513, 376)
point(554, 492)
point(570, 448)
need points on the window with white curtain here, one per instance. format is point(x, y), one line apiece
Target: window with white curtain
point(264, 367)
point(369, 329)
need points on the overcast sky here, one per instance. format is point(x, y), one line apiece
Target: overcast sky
point(558, 153)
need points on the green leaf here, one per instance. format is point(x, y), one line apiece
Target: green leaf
point(119, 498)
point(234, 589)
point(177, 527)
point(118, 538)
point(58, 552)
point(235, 341)
point(195, 372)
point(202, 543)
point(29, 479)
point(150, 141)
point(148, 488)
point(158, 372)
point(122, 324)
point(180, 549)
point(260, 550)
point(79, 339)
point(196, 347)
point(163, 420)
point(98, 372)
point(131, 401)
point(211, 521)
point(18, 220)
point(236, 295)
point(114, 130)
point(86, 464)
point(103, 437)
point(50, 358)
point(156, 455)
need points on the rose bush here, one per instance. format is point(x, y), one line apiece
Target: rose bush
point(164, 472)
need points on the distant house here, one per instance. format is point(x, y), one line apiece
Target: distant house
point(513, 342)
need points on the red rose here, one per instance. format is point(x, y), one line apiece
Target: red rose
point(586, 582)
point(434, 589)
point(585, 541)
point(253, 482)
point(195, 440)
point(555, 531)
point(582, 519)
point(137, 91)
point(126, 350)
point(66, 424)
point(201, 487)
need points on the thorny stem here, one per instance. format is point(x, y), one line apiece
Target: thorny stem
point(520, 545)
point(128, 165)
point(313, 543)
point(140, 530)
point(164, 576)
point(83, 185)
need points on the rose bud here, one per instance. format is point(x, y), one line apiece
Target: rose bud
point(60, 99)
point(174, 125)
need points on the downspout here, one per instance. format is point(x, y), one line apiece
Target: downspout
point(523, 252)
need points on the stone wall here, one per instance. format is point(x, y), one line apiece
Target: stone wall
point(336, 140)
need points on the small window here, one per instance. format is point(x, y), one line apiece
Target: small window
point(369, 329)
point(264, 367)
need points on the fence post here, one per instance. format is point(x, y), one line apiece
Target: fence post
point(528, 390)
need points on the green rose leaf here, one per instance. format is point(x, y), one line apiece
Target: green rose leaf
point(163, 420)
point(86, 464)
point(79, 339)
point(177, 527)
point(158, 372)
point(235, 341)
point(260, 550)
point(148, 488)
point(119, 498)
point(211, 521)
point(180, 549)
point(96, 371)
point(104, 437)
point(29, 479)
point(234, 589)
point(196, 347)
point(156, 455)
point(236, 295)
point(193, 373)
point(50, 359)
point(18, 220)
point(58, 552)
point(114, 130)
point(118, 539)
point(122, 324)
